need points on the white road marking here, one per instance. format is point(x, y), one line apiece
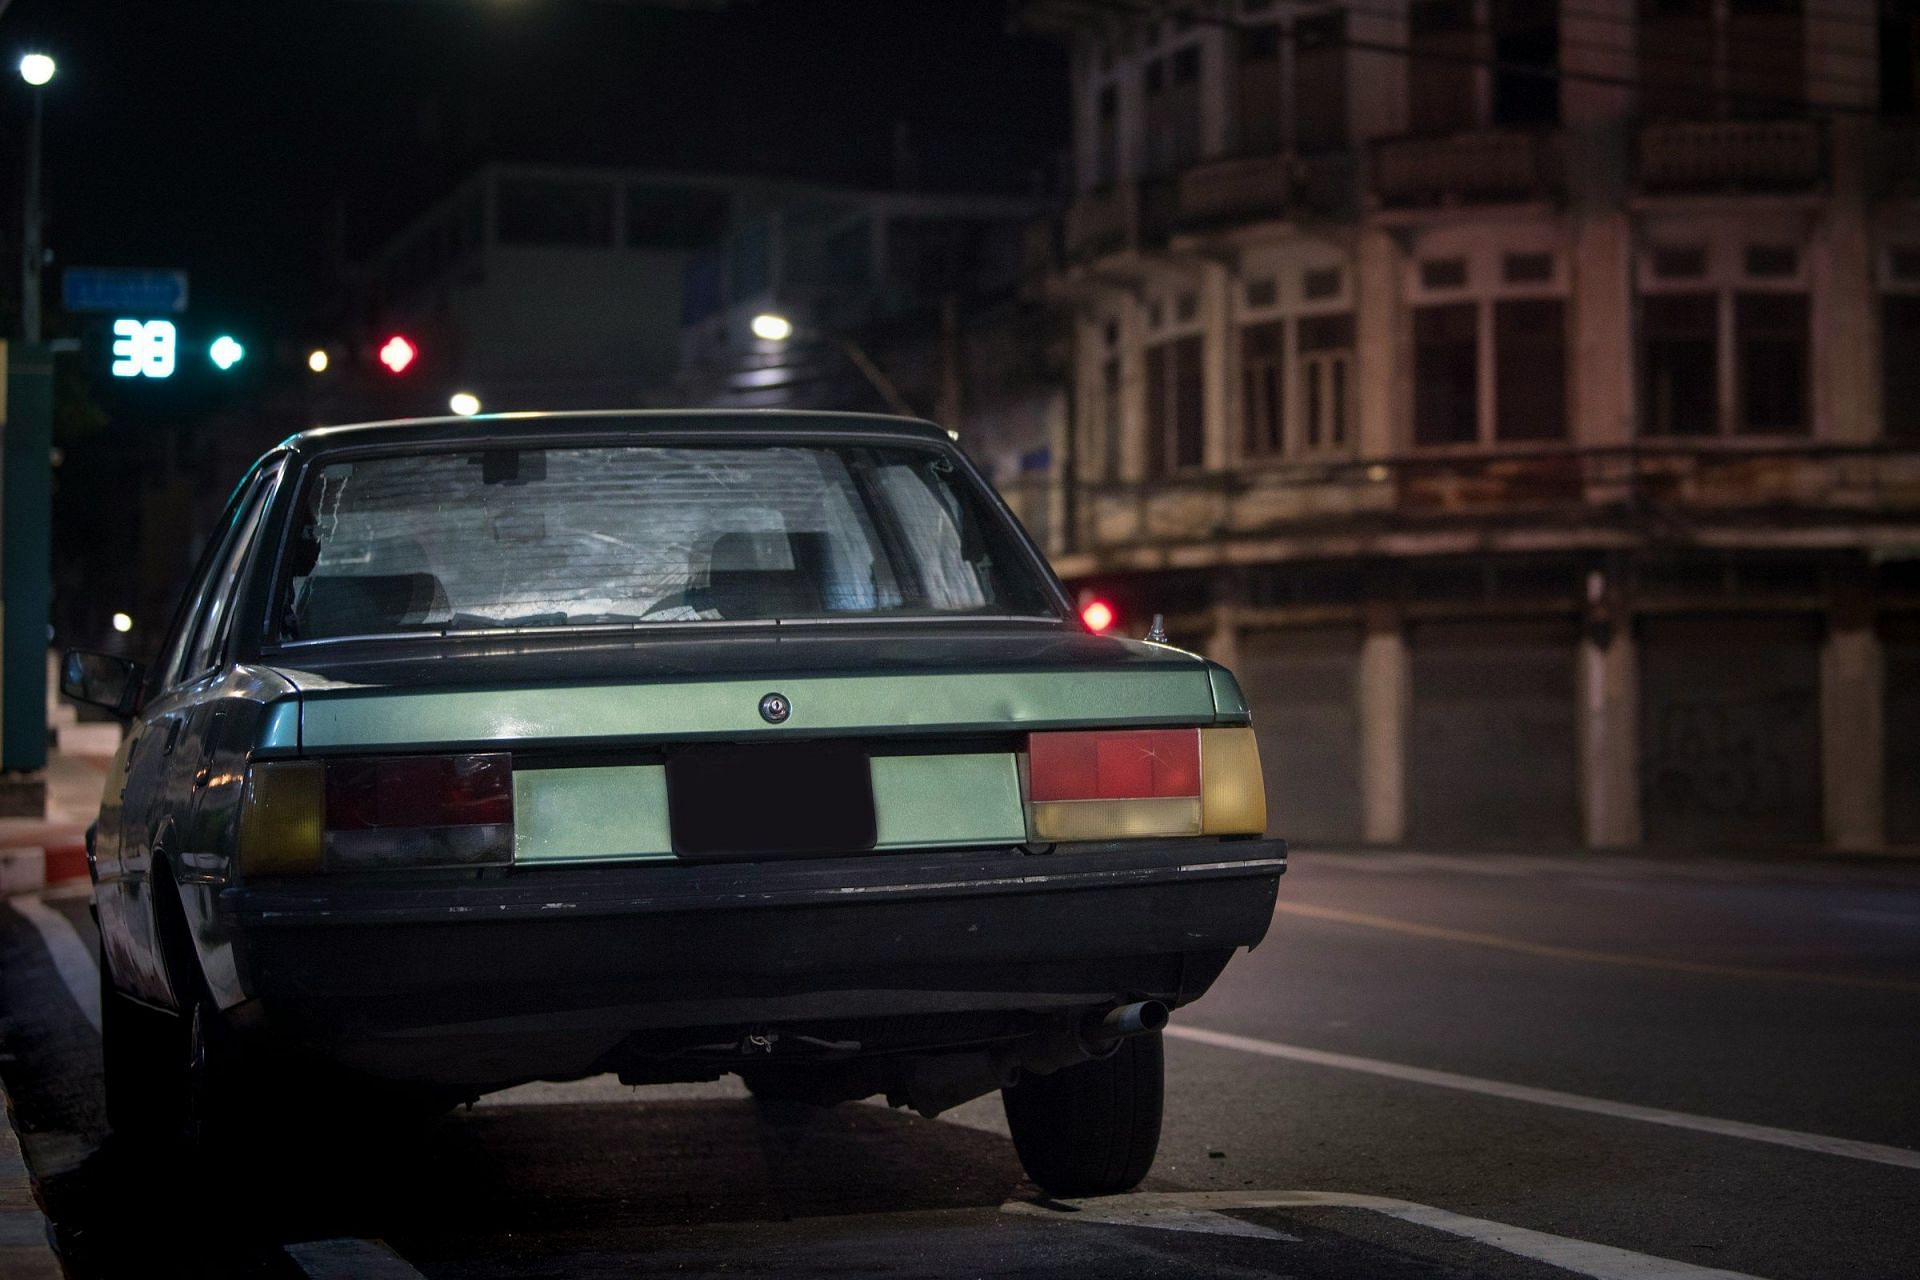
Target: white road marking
point(351, 1260)
point(1900, 1157)
point(71, 959)
point(1192, 1210)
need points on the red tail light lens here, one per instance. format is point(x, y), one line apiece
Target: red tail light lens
point(420, 811)
point(1134, 764)
point(419, 791)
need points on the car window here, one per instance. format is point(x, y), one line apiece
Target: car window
point(208, 588)
point(648, 534)
point(210, 641)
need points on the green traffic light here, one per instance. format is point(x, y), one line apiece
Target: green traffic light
point(226, 352)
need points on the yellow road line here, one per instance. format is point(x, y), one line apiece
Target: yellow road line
point(1522, 946)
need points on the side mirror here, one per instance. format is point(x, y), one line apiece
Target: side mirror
point(101, 679)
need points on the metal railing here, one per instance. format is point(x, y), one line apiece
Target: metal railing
point(1491, 167)
point(1732, 155)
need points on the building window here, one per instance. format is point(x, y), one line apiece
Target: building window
point(1684, 262)
point(1326, 363)
point(1176, 400)
point(1319, 284)
point(1679, 364)
point(1263, 387)
point(1446, 377)
point(1442, 65)
point(1701, 59)
point(1900, 380)
point(1320, 82)
point(1262, 292)
point(1259, 90)
point(1526, 56)
point(1729, 351)
point(555, 213)
point(1490, 341)
point(1111, 425)
point(1106, 146)
point(1771, 330)
point(1530, 369)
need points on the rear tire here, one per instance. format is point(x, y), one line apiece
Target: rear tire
point(143, 1057)
point(1091, 1129)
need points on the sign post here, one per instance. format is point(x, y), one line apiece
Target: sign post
point(26, 517)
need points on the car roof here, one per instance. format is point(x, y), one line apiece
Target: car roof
point(481, 428)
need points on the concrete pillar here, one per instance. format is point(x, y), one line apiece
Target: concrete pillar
point(1853, 736)
point(1221, 363)
point(1377, 343)
point(1609, 722)
point(1845, 329)
point(1385, 685)
point(1603, 358)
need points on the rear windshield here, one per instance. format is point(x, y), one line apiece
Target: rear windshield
point(642, 535)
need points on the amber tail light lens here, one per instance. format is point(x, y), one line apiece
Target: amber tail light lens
point(303, 816)
point(1128, 783)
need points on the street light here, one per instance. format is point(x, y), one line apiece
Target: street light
point(464, 403)
point(37, 70)
point(771, 326)
point(317, 360)
point(122, 623)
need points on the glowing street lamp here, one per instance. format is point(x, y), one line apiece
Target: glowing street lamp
point(464, 403)
point(122, 623)
point(771, 327)
point(317, 360)
point(36, 69)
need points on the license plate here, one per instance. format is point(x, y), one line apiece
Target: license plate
point(777, 800)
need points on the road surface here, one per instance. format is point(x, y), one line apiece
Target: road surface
point(1433, 1067)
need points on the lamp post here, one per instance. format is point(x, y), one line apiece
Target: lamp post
point(770, 326)
point(37, 70)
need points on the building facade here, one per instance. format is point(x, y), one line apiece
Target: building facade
point(1522, 395)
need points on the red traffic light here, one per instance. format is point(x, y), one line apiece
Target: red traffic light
point(398, 354)
point(1098, 615)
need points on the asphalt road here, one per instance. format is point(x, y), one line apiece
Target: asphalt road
point(1434, 1067)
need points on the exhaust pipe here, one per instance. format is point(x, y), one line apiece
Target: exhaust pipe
point(1139, 1018)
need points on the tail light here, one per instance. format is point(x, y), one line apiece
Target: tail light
point(1120, 784)
point(303, 816)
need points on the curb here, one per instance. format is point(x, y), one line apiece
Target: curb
point(26, 1236)
point(27, 868)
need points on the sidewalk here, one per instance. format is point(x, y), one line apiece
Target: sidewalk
point(35, 852)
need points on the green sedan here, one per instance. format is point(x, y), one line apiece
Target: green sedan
point(667, 745)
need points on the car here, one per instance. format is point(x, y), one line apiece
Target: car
point(663, 744)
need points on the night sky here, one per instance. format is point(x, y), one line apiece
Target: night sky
point(232, 137)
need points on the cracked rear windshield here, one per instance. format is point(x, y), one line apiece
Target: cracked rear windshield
point(639, 535)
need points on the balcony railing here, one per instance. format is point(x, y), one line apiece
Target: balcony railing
point(1125, 216)
point(1239, 189)
point(1669, 488)
point(1495, 167)
point(1732, 155)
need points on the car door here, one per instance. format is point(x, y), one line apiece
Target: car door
point(160, 763)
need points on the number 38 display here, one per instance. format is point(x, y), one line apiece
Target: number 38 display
point(143, 348)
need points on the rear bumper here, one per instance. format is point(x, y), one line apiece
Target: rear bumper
point(545, 972)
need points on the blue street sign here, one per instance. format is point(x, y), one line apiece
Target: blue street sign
point(114, 289)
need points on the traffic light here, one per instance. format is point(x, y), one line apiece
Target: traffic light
point(225, 352)
point(398, 354)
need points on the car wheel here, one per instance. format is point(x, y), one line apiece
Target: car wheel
point(1091, 1129)
point(218, 1088)
point(142, 1052)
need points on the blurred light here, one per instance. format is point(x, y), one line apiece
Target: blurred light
point(398, 353)
point(122, 623)
point(464, 403)
point(1098, 615)
point(317, 361)
point(225, 352)
point(36, 69)
point(772, 328)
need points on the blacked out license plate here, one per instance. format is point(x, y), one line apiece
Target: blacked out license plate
point(774, 800)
